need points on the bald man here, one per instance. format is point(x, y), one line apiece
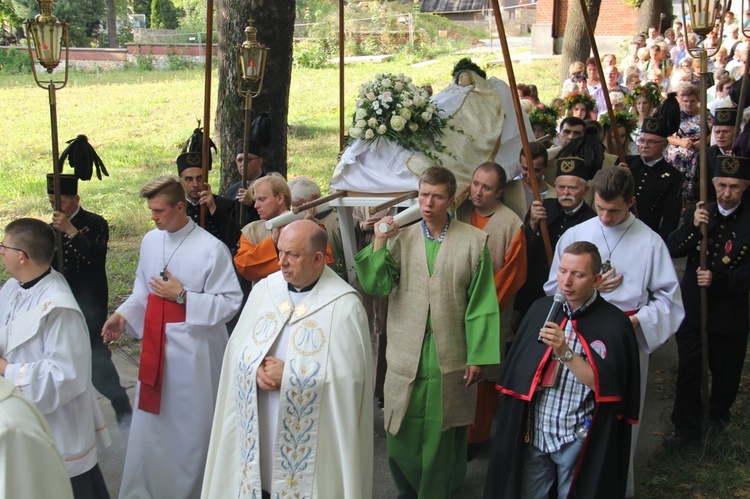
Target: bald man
point(296, 389)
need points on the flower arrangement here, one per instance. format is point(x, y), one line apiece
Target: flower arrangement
point(579, 98)
point(391, 107)
point(649, 91)
point(545, 117)
point(622, 118)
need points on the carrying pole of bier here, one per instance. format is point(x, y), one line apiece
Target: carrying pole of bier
point(342, 107)
point(207, 100)
point(600, 70)
point(393, 202)
point(521, 126)
point(298, 212)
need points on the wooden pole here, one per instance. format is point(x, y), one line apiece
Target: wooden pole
point(605, 90)
point(207, 99)
point(56, 167)
point(519, 118)
point(741, 104)
point(393, 202)
point(703, 187)
point(317, 202)
point(342, 107)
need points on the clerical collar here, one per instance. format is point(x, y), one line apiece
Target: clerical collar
point(291, 287)
point(427, 234)
point(577, 312)
point(724, 212)
point(30, 284)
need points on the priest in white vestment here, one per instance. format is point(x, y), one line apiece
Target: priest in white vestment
point(45, 353)
point(185, 291)
point(294, 413)
point(639, 276)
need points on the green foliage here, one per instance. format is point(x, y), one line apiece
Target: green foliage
point(8, 14)
point(310, 54)
point(124, 34)
point(157, 15)
point(144, 62)
point(14, 62)
point(84, 19)
point(176, 63)
point(193, 15)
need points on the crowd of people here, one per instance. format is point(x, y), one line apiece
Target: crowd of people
point(260, 363)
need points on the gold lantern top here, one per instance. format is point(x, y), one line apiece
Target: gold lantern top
point(47, 32)
point(703, 14)
point(253, 55)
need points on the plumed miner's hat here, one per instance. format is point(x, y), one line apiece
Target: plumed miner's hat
point(261, 131)
point(192, 152)
point(589, 148)
point(666, 118)
point(732, 167)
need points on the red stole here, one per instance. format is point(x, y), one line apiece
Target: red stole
point(159, 312)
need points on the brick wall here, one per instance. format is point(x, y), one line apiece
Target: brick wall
point(615, 17)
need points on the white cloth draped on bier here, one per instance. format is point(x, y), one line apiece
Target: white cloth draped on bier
point(483, 111)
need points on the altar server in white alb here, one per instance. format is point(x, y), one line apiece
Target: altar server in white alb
point(638, 275)
point(185, 291)
point(45, 353)
point(294, 413)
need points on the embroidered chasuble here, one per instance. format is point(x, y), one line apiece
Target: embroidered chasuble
point(313, 437)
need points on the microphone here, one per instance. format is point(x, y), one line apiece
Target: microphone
point(554, 309)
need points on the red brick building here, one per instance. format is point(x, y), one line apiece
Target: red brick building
point(616, 19)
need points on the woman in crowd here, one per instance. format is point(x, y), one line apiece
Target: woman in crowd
point(626, 123)
point(581, 105)
point(642, 102)
point(684, 146)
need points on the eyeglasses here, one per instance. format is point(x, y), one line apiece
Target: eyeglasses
point(3, 247)
point(647, 142)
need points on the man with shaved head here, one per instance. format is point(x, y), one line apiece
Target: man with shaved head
point(294, 411)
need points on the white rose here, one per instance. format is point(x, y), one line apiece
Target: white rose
point(386, 83)
point(398, 86)
point(404, 113)
point(386, 97)
point(370, 96)
point(419, 101)
point(369, 134)
point(398, 123)
point(413, 127)
point(427, 115)
point(355, 132)
point(372, 123)
point(361, 113)
point(407, 102)
point(382, 129)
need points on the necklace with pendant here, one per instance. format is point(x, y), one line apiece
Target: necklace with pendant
point(607, 266)
point(163, 252)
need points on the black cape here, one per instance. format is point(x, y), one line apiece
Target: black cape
point(609, 343)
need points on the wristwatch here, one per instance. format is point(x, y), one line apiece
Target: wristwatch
point(567, 356)
point(181, 297)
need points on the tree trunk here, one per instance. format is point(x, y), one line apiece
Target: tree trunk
point(576, 46)
point(275, 23)
point(649, 15)
point(112, 24)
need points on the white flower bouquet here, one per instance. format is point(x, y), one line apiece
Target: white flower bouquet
point(391, 107)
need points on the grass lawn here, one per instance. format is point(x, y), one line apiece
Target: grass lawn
point(138, 121)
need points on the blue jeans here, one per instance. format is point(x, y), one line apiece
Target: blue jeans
point(540, 469)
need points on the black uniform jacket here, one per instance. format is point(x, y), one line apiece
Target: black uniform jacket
point(657, 194)
point(85, 259)
point(728, 253)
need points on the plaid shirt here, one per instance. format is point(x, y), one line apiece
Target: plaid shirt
point(558, 410)
point(427, 234)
